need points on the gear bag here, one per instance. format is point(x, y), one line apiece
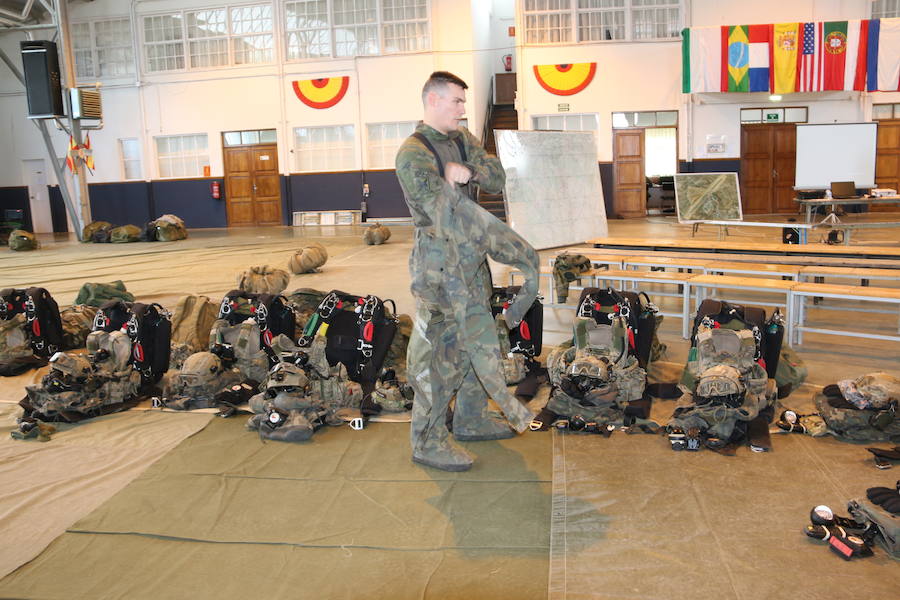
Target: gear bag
point(87, 233)
point(43, 322)
point(360, 339)
point(640, 314)
point(272, 313)
point(95, 294)
point(112, 315)
point(150, 331)
point(566, 269)
point(850, 422)
point(170, 228)
point(19, 240)
point(192, 321)
point(77, 322)
point(263, 280)
point(125, 234)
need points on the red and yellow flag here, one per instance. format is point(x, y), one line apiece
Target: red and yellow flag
point(70, 155)
point(321, 93)
point(565, 80)
point(785, 47)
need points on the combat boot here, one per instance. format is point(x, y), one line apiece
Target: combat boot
point(487, 427)
point(442, 454)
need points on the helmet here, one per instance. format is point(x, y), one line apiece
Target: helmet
point(588, 365)
point(720, 384)
point(286, 377)
point(201, 370)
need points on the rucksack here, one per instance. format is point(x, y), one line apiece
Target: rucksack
point(359, 340)
point(641, 315)
point(272, 314)
point(308, 259)
point(192, 320)
point(102, 235)
point(19, 240)
point(848, 421)
point(112, 316)
point(77, 322)
point(87, 234)
point(43, 323)
point(150, 331)
point(95, 294)
point(527, 337)
point(125, 234)
point(148, 232)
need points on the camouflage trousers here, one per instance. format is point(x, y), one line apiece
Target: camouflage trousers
point(444, 359)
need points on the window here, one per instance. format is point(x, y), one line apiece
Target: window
point(885, 9)
point(885, 111)
point(215, 37)
point(130, 151)
point(660, 151)
point(182, 155)
point(556, 21)
point(384, 140)
point(244, 138)
point(566, 122)
point(103, 49)
point(319, 28)
point(622, 120)
point(330, 148)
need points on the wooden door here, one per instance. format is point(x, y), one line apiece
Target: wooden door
point(252, 186)
point(784, 165)
point(630, 191)
point(887, 160)
point(768, 163)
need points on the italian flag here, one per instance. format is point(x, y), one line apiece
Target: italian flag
point(701, 58)
point(843, 54)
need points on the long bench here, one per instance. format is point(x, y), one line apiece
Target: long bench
point(857, 293)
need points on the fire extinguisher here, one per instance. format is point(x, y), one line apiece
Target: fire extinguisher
point(214, 190)
point(507, 62)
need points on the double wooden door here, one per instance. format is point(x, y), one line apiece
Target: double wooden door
point(887, 160)
point(768, 163)
point(252, 185)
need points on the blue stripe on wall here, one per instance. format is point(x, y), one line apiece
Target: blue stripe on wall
point(190, 199)
point(121, 203)
point(15, 198)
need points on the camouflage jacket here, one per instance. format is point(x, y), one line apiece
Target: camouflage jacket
point(454, 235)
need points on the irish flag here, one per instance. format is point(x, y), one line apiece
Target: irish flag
point(843, 54)
point(884, 55)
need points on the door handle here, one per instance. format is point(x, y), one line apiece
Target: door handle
point(774, 174)
point(254, 188)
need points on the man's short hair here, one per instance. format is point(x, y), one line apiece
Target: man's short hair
point(440, 79)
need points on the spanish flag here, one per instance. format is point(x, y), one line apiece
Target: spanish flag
point(786, 44)
point(88, 153)
point(70, 155)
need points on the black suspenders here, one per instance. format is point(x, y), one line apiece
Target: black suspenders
point(440, 164)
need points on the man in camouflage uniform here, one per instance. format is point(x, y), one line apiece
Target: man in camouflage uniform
point(454, 349)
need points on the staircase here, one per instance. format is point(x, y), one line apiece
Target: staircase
point(503, 116)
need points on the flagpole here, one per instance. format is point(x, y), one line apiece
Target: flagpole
point(82, 196)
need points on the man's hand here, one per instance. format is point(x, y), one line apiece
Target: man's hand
point(457, 173)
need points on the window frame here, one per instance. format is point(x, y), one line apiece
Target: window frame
point(370, 166)
point(564, 115)
point(200, 175)
point(330, 31)
point(574, 12)
point(895, 111)
point(94, 50)
point(229, 36)
point(885, 14)
point(295, 168)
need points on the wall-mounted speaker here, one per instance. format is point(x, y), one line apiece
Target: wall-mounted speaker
point(40, 63)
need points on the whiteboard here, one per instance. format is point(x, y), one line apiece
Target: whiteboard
point(835, 152)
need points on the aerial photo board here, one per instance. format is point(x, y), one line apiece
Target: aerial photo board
point(707, 197)
point(553, 195)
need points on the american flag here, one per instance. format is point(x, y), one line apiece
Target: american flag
point(808, 79)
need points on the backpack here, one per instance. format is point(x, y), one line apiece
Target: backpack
point(305, 301)
point(125, 234)
point(170, 228)
point(527, 337)
point(148, 232)
point(102, 235)
point(95, 294)
point(850, 422)
point(112, 316)
point(768, 333)
point(150, 331)
point(641, 315)
point(77, 322)
point(192, 320)
point(19, 240)
point(263, 280)
point(240, 345)
point(87, 234)
point(566, 269)
point(43, 323)
point(272, 314)
point(376, 234)
point(359, 340)
point(237, 306)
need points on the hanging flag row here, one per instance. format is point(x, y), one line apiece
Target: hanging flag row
point(783, 58)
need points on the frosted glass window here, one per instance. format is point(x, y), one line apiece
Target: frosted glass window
point(130, 152)
point(795, 114)
point(566, 122)
point(182, 155)
point(251, 26)
point(384, 140)
point(885, 9)
point(886, 111)
point(587, 21)
point(660, 151)
point(103, 49)
point(328, 148)
point(164, 42)
point(405, 25)
point(751, 115)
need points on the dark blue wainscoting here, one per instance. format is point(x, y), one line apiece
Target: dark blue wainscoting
point(15, 198)
point(710, 165)
point(190, 199)
point(121, 203)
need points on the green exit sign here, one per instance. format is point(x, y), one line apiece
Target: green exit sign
point(773, 117)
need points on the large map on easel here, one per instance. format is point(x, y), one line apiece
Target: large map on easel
point(553, 194)
point(707, 197)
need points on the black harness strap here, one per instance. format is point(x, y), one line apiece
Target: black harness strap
point(440, 164)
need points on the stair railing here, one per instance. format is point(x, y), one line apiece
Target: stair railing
point(488, 113)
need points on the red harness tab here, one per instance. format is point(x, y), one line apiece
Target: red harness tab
point(36, 327)
point(138, 352)
point(524, 331)
point(368, 330)
point(267, 337)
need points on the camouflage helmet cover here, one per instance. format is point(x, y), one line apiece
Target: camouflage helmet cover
point(874, 390)
point(720, 381)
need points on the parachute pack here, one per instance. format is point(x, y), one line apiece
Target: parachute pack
point(32, 329)
point(641, 315)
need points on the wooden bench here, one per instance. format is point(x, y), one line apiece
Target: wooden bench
point(747, 268)
point(701, 284)
point(548, 273)
point(724, 225)
point(857, 293)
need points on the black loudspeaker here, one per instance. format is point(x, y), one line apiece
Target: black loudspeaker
point(790, 235)
point(40, 62)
